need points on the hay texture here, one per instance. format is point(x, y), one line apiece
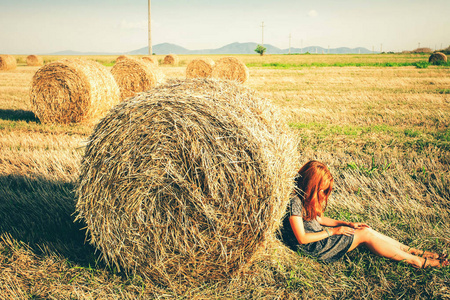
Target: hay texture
point(7, 62)
point(437, 56)
point(230, 68)
point(123, 57)
point(200, 68)
point(186, 183)
point(134, 76)
point(170, 59)
point(151, 59)
point(33, 60)
point(72, 91)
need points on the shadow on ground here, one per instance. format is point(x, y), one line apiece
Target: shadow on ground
point(17, 115)
point(40, 212)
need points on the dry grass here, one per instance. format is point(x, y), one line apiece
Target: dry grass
point(7, 62)
point(134, 76)
point(34, 60)
point(211, 177)
point(384, 133)
point(230, 68)
point(72, 91)
point(200, 68)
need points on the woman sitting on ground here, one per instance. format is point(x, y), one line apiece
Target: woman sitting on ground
point(303, 226)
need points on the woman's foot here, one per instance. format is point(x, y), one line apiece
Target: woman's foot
point(432, 255)
point(434, 263)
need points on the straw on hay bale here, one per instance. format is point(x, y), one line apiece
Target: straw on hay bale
point(437, 56)
point(123, 57)
point(186, 183)
point(200, 68)
point(134, 76)
point(170, 59)
point(151, 59)
point(230, 68)
point(72, 91)
point(7, 62)
point(33, 60)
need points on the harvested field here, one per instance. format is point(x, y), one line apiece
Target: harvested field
point(382, 130)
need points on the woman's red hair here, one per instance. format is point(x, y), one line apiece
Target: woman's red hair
point(313, 186)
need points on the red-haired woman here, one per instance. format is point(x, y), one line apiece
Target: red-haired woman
point(326, 239)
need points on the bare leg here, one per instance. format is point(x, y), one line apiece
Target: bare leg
point(406, 248)
point(393, 250)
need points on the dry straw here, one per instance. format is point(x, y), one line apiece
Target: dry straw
point(200, 68)
point(33, 60)
point(151, 59)
point(230, 68)
point(134, 76)
point(437, 56)
point(187, 183)
point(123, 57)
point(171, 59)
point(72, 91)
point(7, 62)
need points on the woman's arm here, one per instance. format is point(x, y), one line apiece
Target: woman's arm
point(310, 237)
point(325, 221)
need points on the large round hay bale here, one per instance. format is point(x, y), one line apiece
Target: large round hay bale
point(437, 56)
point(123, 57)
point(72, 91)
point(200, 68)
point(170, 59)
point(186, 183)
point(7, 62)
point(151, 59)
point(33, 60)
point(230, 68)
point(134, 76)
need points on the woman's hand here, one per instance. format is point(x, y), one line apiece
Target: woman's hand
point(358, 225)
point(343, 230)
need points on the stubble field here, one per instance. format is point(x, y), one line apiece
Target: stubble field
point(383, 131)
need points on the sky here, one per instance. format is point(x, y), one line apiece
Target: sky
point(119, 26)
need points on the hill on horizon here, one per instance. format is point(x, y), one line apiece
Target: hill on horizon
point(233, 48)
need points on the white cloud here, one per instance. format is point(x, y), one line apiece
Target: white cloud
point(312, 13)
point(133, 25)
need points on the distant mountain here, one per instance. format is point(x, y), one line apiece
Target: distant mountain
point(234, 48)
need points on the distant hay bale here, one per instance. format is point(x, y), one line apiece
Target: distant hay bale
point(186, 183)
point(123, 57)
point(151, 59)
point(72, 91)
point(437, 56)
point(230, 68)
point(33, 60)
point(200, 68)
point(134, 76)
point(170, 59)
point(7, 62)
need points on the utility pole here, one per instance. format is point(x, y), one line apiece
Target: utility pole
point(328, 49)
point(289, 43)
point(419, 45)
point(381, 48)
point(373, 51)
point(150, 51)
point(262, 34)
point(301, 47)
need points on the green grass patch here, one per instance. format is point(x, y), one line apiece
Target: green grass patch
point(277, 65)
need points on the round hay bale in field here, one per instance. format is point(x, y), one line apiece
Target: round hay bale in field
point(437, 56)
point(230, 68)
point(7, 62)
point(200, 68)
point(134, 76)
point(185, 184)
point(123, 57)
point(72, 91)
point(151, 59)
point(33, 60)
point(170, 59)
